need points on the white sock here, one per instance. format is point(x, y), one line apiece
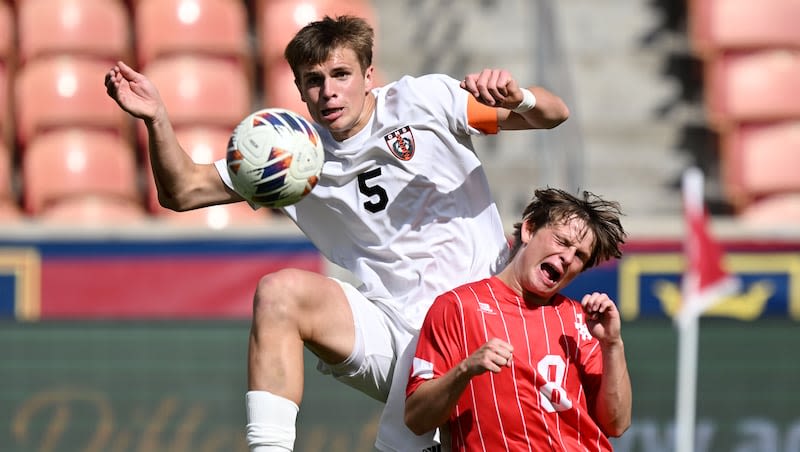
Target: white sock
point(270, 422)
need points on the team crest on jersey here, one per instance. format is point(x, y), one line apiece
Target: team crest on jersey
point(401, 143)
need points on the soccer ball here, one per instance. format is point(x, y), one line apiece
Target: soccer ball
point(274, 157)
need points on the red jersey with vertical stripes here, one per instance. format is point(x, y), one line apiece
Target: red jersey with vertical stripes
point(541, 402)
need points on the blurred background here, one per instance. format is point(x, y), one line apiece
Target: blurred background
point(124, 326)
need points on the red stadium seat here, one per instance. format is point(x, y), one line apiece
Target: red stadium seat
point(10, 212)
point(761, 159)
point(781, 210)
point(720, 25)
point(7, 64)
point(6, 114)
point(65, 91)
point(210, 27)
point(9, 208)
point(80, 27)
point(217, 217)
point(93, 211)
point(204, 144)
point(753, 86)
point(6, 173)
point(277, 21)
point(7, 31)
point(73, 163)
point(200, 91)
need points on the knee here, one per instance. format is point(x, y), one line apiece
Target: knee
point(277, 295)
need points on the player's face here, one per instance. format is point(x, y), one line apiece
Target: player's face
point(337, 94)
point(551, 258)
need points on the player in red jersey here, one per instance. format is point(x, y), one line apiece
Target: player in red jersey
point(510, 364)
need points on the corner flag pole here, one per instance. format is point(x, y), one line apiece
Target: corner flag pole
point(704, 283)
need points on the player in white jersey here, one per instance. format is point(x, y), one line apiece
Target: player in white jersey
point(402, 202)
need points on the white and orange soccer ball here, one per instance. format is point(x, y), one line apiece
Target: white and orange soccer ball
point(274, 157)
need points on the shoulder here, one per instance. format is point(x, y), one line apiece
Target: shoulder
point(422, 85)
point(425, 79)
point(568, 306)
point(564, 301)
point(466, 294)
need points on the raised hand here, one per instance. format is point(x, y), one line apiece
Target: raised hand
point(602, 317)
point(133, 92)
point(493, 87)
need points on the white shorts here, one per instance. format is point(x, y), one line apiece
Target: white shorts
point(378, 341)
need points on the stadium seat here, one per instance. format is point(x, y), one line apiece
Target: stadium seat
point(7, 31)
point(6, 114)
point(277, 21)
point(73, 163)
point(9, 207)
point(200, 91)
point(93, 211)
point(217, 217)
point(7, 64)
point(210, 27)
point(6, 173)
point(753, 86)
point(65, 91)
point(782, 210)
point(720, 25)
point(760, 159)
point(79, 27)
point(204, 144)
point(10, 212)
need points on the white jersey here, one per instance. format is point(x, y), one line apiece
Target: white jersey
point(405, 204)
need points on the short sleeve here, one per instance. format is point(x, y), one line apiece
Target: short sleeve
point(437, 349)
point(222, 168)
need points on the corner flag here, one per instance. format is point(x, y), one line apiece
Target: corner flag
point(704, 284)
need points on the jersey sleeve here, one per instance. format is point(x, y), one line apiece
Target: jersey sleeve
point(222, 168)
point(438, 348)
point(452, 104)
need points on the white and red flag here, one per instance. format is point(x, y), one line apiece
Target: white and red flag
point(704, 282)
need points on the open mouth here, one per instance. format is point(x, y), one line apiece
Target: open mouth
point(552, 272)
point(330, 111)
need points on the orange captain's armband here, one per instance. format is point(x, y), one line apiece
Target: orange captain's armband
point(482, 117)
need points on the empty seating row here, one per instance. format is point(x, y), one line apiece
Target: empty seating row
point(719, 25)
point(751, 57)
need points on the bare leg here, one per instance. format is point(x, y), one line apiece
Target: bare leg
point(292, 308)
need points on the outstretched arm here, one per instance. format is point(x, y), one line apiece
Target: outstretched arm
point(497, 88)
point(431, 404)
point(613, 405)
point(182, 184)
